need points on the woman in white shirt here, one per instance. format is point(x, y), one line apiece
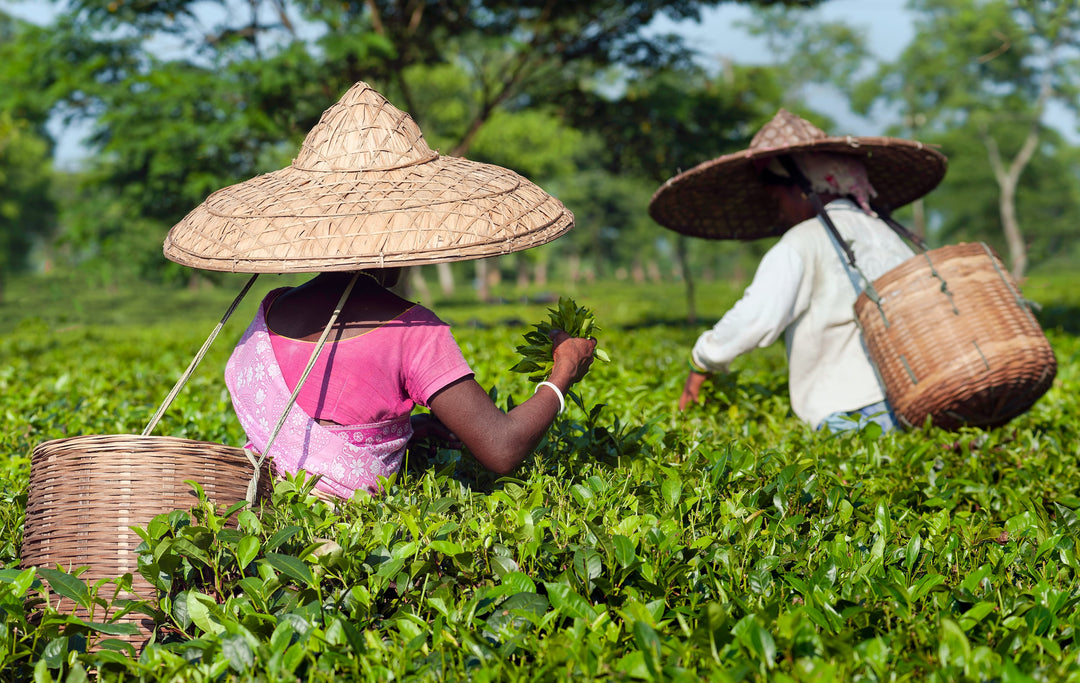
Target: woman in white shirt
point(804, 288)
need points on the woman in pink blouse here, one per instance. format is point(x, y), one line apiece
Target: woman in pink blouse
point(365, 192)
point(384, 355)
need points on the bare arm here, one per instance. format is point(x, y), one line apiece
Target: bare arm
point(500, 440)
point(692, 389)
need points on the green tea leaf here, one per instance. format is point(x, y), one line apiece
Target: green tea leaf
point(446, 547)
point(114, 628)
point(624, 550)
point(66, 585)
point(568, 602)
point(246, 550)
point(198, 610)
point(280, 536)
point(291, 567)
point(518, 582)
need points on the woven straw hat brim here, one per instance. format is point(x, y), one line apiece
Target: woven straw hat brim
point(291, 221)
point(724, 198)
point(366, 191)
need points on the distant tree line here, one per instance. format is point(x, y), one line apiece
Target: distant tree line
point(186, 96)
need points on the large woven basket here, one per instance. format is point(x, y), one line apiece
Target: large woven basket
point(953, 340)
point(86, 492)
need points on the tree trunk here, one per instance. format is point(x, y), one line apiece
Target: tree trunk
point(446, 278)
point(575, 268)
point(483, 291)
point(684, 266)
point(417, 284)
point(1008, 179)
point(522, 272)
point(540, 273)
point(653, 271)
point(1011, 226)
point(918, 208)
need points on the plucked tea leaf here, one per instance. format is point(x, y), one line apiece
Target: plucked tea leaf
point(536, 352)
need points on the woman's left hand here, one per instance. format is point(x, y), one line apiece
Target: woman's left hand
point(692, 389)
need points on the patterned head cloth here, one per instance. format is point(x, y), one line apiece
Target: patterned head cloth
point(838, 174)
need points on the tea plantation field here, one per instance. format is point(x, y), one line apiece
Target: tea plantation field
point(729, 542)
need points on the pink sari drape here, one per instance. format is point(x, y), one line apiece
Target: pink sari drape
point(348, 458)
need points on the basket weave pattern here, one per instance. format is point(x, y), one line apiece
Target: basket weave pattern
point(952, 339)
point(725, 198)
point(87, 491)
point(366, 191)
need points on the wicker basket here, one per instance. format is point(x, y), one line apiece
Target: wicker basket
point(86, 492)
point(953, 339)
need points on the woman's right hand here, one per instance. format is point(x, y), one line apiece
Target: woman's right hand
point(571, 356)
point(500, 441)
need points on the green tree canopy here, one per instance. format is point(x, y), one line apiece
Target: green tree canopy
point(990, 68)
point(186, 96)
point(27, 211)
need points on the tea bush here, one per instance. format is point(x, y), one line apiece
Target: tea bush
point(729, 542)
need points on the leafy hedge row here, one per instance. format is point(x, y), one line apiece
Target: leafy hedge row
point(729, 542)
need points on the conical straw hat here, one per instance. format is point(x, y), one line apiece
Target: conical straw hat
point(725, 198)
point(366, 191)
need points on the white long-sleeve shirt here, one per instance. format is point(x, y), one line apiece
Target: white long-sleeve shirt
point(802, 290)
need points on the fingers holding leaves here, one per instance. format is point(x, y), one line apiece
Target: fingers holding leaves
point(566, 321)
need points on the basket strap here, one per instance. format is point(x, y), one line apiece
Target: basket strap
point(198, 358)
point(842, 250)
point(1025, 304)
point(898, 227)
point(253, 485)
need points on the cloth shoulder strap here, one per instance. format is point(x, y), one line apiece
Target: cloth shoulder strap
point(834, 239)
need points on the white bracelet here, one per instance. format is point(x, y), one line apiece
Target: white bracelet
point(562, 401)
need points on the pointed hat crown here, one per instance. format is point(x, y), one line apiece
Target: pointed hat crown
point(366, 190)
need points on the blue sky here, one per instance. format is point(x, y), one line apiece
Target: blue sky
point(887, 24)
